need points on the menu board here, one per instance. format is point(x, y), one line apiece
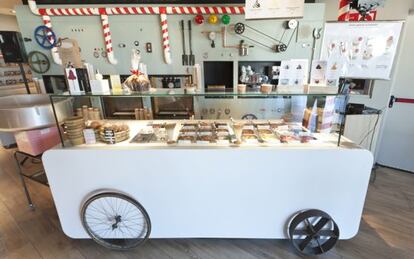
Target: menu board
point(268, 9)
point(361, 49)
point(294, 72)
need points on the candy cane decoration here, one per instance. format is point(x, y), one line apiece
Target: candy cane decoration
point(141, 10)
point(165, 38)
point(107, 37)
point(344, 10)
point(54, 51)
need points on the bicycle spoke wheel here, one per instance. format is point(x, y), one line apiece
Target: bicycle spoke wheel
point(115, 221)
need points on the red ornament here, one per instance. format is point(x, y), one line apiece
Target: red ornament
point(199, 19)
point(136, 72)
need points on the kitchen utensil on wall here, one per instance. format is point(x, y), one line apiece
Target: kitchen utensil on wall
point(244, 48)
point(192, 57)
point(224, 39)
point(212, 37)
point(184, 56)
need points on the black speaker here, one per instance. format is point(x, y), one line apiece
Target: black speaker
point(12, 47)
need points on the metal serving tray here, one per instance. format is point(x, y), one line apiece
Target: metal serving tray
point(31, 111)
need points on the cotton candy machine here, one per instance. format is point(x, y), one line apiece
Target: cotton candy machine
point(26, 112)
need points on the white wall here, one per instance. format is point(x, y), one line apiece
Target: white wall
point(8, 23)
point(396, 146)
point(393, 10)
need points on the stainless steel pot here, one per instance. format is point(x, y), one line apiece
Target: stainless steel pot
point(31, 111)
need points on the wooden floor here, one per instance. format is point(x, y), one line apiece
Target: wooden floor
point(387, 228)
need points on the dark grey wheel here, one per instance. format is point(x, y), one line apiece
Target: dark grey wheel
point(313, 232)
point(115, 221)
point(38, 62)
point(249, 116)
point(239, 28)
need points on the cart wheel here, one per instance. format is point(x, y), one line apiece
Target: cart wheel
point(115, 221)
point(249, 116)
point(313, 232)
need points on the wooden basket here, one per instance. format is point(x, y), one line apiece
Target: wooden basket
point(119, 136)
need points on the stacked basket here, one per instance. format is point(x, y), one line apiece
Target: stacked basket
point(74, 127)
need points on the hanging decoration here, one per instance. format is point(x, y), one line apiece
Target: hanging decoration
point(54, 51)
point(165, 37)
point(359, 10)
point(107, 36)
point(344, 10)
point(105, 12)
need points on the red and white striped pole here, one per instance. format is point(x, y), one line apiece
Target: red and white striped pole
point(165, 36)
point(107, 37)
point(344, 10)
point(54, 51)
point(141, 10)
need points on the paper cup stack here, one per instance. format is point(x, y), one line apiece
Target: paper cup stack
point(74, 130)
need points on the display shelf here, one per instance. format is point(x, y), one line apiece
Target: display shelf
point(183, 93)
point(323, 140)
point(295, 109)
point(12, 76)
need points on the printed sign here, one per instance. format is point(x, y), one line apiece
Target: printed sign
point(267, 9)
point(361, 50)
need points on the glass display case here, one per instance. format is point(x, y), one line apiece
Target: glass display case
point(279, 118)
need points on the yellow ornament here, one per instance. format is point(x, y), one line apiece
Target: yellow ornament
point(213, 19)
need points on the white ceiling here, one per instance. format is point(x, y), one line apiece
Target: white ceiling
point(9, 3)
point(7, 6)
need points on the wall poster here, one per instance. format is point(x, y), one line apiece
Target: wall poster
point(361, 49)
point(268, 9)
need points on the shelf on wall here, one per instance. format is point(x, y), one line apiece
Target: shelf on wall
point(181, 93)
point(15, 86)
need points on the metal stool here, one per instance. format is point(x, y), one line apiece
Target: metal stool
point(37, 176)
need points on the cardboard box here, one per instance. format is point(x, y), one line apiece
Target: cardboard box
point(35, 142)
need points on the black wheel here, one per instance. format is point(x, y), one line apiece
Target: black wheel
point(38, 62)
point(313, 232)
point(115, 221)
point(239, 28)
point(281, 48)
point(249, 116)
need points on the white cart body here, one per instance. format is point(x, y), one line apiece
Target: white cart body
point(232, 192)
